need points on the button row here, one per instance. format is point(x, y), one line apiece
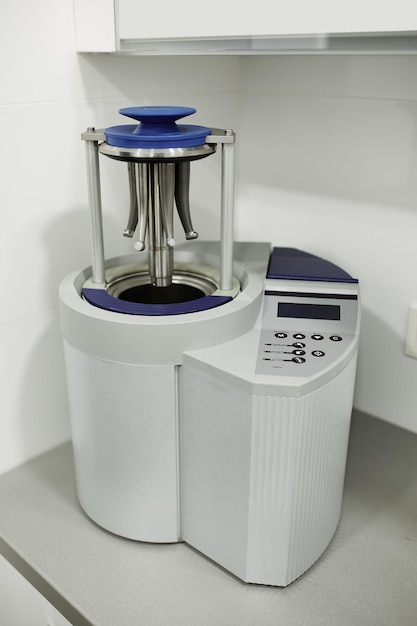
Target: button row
point(280, 335)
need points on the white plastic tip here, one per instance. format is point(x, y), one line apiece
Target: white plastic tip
point(171, 242)
point(139, 246)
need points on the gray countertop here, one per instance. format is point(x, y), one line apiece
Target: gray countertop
point(366, 577)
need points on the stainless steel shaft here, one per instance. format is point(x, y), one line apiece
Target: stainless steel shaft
point(161, 183)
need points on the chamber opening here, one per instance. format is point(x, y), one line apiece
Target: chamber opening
point(185, 287)
point(149, 294)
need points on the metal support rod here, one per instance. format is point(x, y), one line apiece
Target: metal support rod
point(227, 215)
point(94, 200)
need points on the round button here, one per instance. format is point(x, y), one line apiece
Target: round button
point(317, 353)
point(299, 336)
point(336, 338)
point(281, 335)
point(298, 344)
point(298, 359)
point(298, 352)
point(317, 337)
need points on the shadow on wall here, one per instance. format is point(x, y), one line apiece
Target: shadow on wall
point(384, 457)
point(361, 149)
point(112, 76)
point(209, 84)
point(43, 410)
point(42, 403)
point(386, 381)
point(67, 243)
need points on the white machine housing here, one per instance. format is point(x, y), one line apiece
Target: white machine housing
point(192, 427)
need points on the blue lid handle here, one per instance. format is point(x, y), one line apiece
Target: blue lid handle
point(157, 114)
point(156, 119)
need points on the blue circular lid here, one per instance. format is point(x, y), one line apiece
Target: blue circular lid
point(157, 128)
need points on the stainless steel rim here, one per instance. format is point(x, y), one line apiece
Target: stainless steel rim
point(199, 281)
point(157, 154)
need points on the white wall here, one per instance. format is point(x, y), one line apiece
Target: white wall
point(329, 164)
point(327, 154)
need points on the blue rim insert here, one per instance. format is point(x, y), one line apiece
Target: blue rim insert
point(103, 300)
point(293, 264)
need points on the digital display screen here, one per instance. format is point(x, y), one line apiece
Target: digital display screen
point(309, 311)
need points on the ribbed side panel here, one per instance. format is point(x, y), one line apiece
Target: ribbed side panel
point(299, 448)
point(319, 470)
point(270, 499)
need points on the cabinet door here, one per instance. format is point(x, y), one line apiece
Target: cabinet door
point(115, 25)
point(21, 604)
point(232, 18)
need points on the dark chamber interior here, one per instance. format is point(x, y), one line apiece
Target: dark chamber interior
point(149, 294)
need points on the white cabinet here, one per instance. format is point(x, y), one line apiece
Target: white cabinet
point(234, 18)
point(21, 604)
point(223, 26)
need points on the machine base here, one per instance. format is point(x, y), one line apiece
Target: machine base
point(262, 476)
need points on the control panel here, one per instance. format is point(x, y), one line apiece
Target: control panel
point(304, 332)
